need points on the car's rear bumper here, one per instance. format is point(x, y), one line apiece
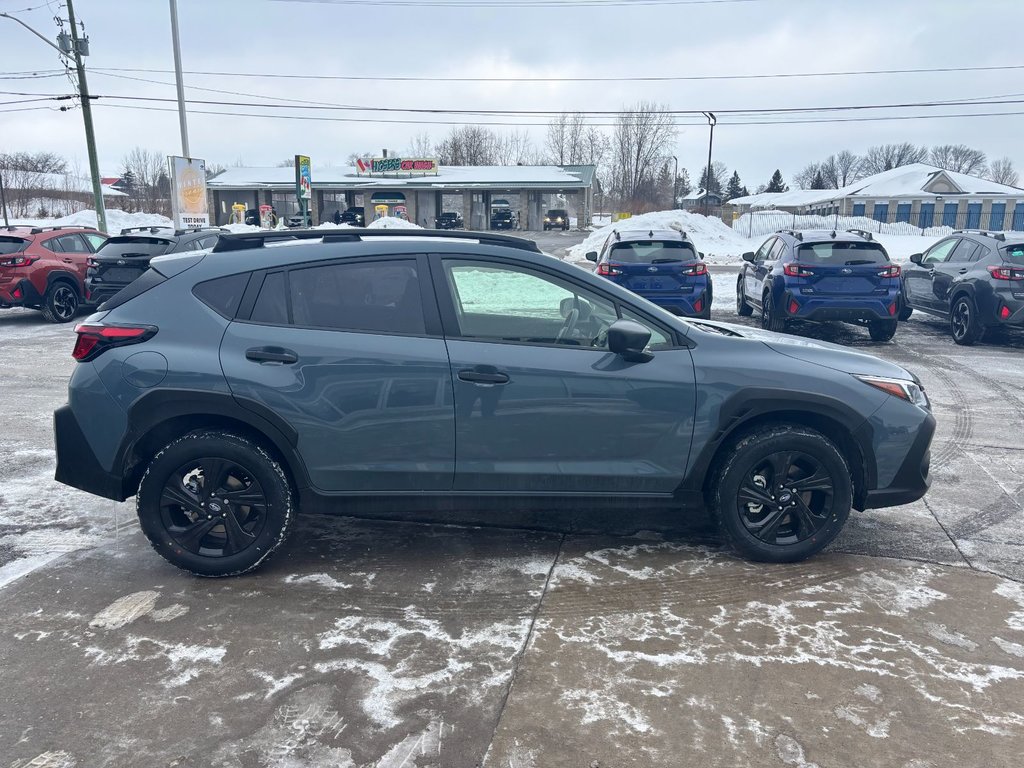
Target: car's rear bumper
point(1010, 305)
point(851, 309)
point(912, 479)
point(691, 304)
point(20, 294)
point(77, 464)
point(97, 293)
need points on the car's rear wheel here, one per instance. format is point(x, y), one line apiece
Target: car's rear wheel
point(964, 323)
point(771, 318)
point(882, 330)
point(215, 504)
point(782, 494)
point(743, 309)
point(60, 305)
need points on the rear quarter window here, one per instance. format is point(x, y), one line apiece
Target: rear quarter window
point(842, 253)
point(222, 294)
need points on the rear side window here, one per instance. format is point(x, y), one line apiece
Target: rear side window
point(842, 253)
point(965, 251)
point(381, 296)
point(133, 246)
point(12, 245)
point(72, 244)
point(149, 279)
point(652, 252)
point(224, 294)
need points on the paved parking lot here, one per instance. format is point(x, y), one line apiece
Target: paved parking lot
point(513, 641)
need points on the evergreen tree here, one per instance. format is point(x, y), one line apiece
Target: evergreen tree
point(664, 188)
point(818, 182)
point(683, 186)
point(735, 188)
point(776, 184)
point(715, 185)
point(746, 192)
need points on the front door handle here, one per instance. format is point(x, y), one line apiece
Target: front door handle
point(963, 271)
point(483, 377)
point(271, 355)
point(69, 261)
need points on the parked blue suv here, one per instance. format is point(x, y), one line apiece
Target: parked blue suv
point(663, 266)
point(313, 370)
point(820, 276)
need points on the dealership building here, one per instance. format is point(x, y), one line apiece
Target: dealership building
point(421, 189)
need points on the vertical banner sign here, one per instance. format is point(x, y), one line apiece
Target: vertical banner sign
point(188, 192)
point(303, 186)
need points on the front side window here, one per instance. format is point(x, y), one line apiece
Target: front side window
point(762, 252)
point(508, 303)
point(374, 296)
point(940, 252)
point(777, 249)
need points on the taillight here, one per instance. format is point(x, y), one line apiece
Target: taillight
point(793, 307)
point(19, 261)
point(890, 271)
point(796, 270)
point(1006, 273)
point(608, 270)
point(93, 340)
point(700, 268)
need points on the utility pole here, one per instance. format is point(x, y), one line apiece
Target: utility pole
point(90, 138)
point(707, 180)
point(675, 182)
point(178, 79)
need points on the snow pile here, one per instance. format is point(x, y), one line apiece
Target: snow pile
point(391, 222)
point(116, 220)
point(236, 228)
point(718, 242)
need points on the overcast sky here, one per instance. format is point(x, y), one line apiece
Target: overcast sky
point(631, 39)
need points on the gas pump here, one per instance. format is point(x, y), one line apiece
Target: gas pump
point(237, 213)
point(402, 212)
point(380, 211)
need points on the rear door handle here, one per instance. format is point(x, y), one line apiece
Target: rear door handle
point(483, 377)
point(271, 355)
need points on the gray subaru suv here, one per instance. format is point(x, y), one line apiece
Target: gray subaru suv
point(310, 371)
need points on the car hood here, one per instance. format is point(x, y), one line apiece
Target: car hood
point(834, 356)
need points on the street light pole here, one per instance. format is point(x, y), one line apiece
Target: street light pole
point(711, 141)
point(675, 182)
point(178, 79)
point(90, 138)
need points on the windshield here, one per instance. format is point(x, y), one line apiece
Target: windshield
point(652, 252)
point(555, 213)
point(842, 253)
point(1014, 253)
point(12, 245)
point(133, 246)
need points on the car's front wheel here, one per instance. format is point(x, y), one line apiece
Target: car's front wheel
point(782, 494)
point(743, 309)
point(215, 504)
point(60, 305)
point(964, 323)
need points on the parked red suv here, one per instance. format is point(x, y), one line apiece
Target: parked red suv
point(44, 268)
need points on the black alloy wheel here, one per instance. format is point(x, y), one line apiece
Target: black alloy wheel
point(770, 318)
point(964, 324)
point(61, 303)
point(786, 498)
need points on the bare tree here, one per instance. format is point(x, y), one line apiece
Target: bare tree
point(468, 145)
point(421, 145)
point(643, 135)
point(959, 158)
point(1001, 172)
point(841, 169)
point(514, 148)
point(885, 157)
point(145, 174)
point(806, 176)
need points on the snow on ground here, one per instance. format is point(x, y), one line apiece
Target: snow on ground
point(116, 220)
point(390, 222)
point(719, 243)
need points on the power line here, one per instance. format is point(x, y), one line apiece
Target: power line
point(617, 79)
point(518, 3)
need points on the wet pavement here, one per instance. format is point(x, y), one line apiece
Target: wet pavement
point(526, 641)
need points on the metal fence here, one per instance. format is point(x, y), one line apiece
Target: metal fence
point(926, 223)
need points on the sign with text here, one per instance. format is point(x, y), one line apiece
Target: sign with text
point(189, 208)
point(396, 165)
point(303, 178)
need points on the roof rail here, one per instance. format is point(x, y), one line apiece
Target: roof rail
point(994, 235)
point(862, 232)
point(150, 228)
point(243, 241)
point(38, 230)
point(793, 232)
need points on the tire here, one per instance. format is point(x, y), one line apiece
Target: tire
point(60, 305)
point(757, 519)
point(235, 537)
point(905, 310)
point(964, 324)
point(882, 330)
point(742, 308)
point(770, 318)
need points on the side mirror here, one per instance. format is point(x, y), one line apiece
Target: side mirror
point(917, 258)
point(629, 339)
point(749, 256)
point(592, 256)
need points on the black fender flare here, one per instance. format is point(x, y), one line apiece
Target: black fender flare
point(64, 276)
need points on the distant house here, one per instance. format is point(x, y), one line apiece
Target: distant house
point(919, 195)
point(696, 201)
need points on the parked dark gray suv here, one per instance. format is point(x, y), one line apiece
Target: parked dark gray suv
point(228, 390)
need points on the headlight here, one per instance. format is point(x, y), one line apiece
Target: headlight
point(910, 391)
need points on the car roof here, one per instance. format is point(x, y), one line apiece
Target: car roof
point(628, 235)
point(28, 230)
point(808, 236)
point(990, 238)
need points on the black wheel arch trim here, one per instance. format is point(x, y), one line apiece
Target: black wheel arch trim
point(751, 407)
point(62, 275)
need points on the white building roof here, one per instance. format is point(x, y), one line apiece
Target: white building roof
point(484, 176)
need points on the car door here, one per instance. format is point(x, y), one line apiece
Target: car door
point(350, 354)
point(945, 273)
point(758, 271)
point(73, 251)
point(541, 405)
point(917, 278)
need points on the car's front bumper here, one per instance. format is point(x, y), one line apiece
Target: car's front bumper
point(902, 471)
